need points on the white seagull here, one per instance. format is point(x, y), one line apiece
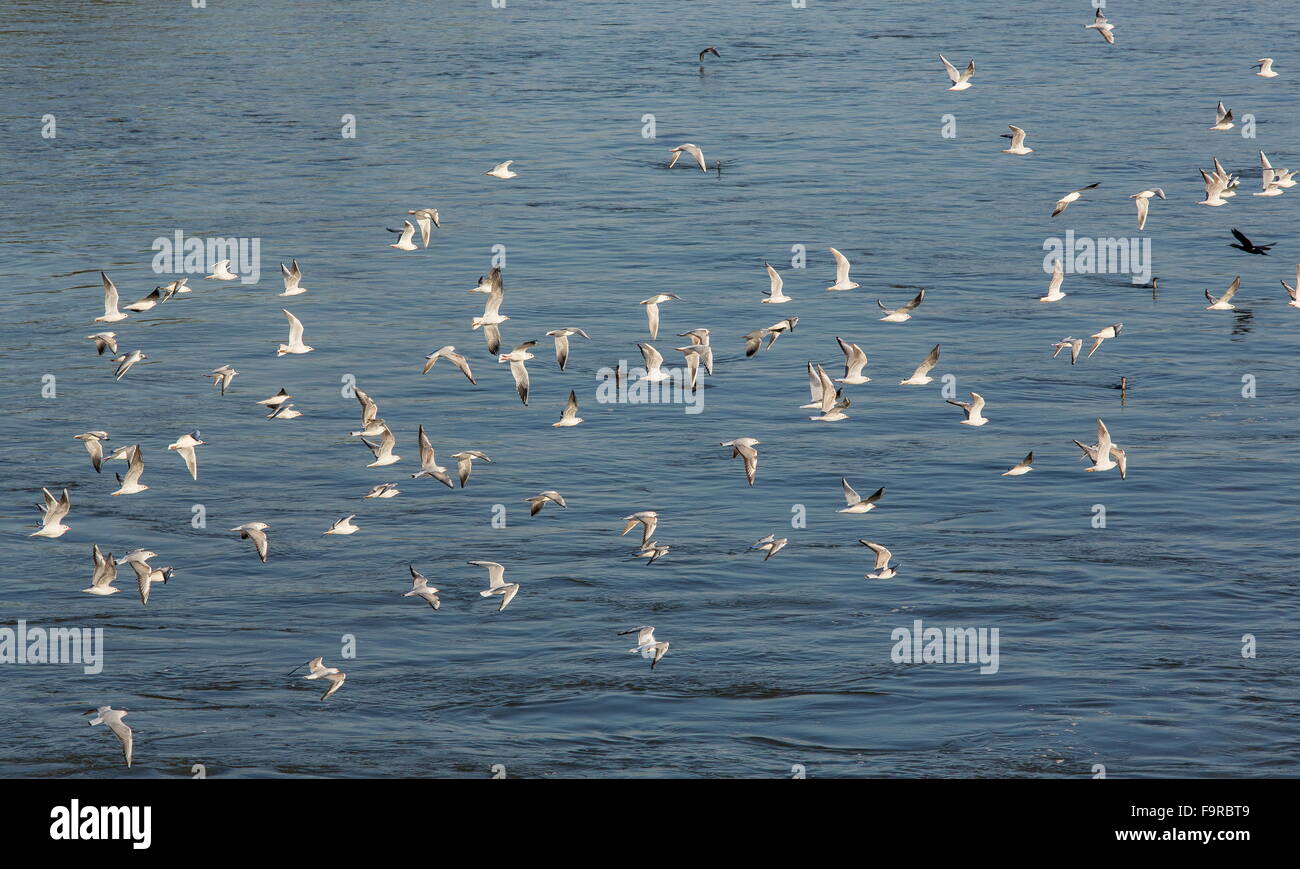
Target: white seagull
point(1143, 201)
point(113, 718)
point(343, 526)
point(1054, 293)
point(420, 588)
point(1025, 466)
point(903, 314)
point(223, 376)
point(921, 376)
point(855, 359)
point(497, 583)
point(1017, 137)
point(771, 544)
point(292, 277)
point(1073, 196)
point(569, 416)
point(256, 532)
point(429, 466)
point(383, 451)
point(883, 570)
point(744, 449)
point(111, 313)
point(53, 510)
point(405, 234)
point(688, 148)
point(1102, 26)
point(221, 272)
point(652, 310)
point(130, 483)
point(126, 361)
point(1108, 332)
point(842, 266)
point(295, 344)
point(775, 294)
point(1222, 118)
point(449, 353)
point(973, 409)
point(539, 500)
point(104, 341)
point(517, 357)
point(1265, 65)
point(856, 503)
point(427, 219)
point(561, 337)
point(465, 463)
point(647, 519)
point(93, 442)
point(646, 645)
point(960, 81)
point(185, 445)
point(502, 170)
point(1223, 303)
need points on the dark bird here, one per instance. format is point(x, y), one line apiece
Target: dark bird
point(710, 50)
point(1249, 246)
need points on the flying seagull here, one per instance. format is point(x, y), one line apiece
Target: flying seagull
point(449, 353)
point(842, 266)
point(883, 555)
point(688, 148)
point(111, 313)
point(53, 510)
point(569, 416)
point(517, 357)
point(256, 532)
point(292, 276)
point(960, 81)
point(921, 376)
point(744, 448)
point(903, 314)
point(1025, 466)
point(1224, 303)
point(113, 718)
point(1222, 118)
point(973, 408)
point(1073, 196)
point(1102, 26)
point(429, 466)
point(771, 544)
point(856, 503)
point(295, 345)
point(646, 645)
point(1017, 137)
point(502, 170)
point(497, 583)
point(539, 500)
point(420, 588)
point(92, 441)
point(561, 337)
point(185, 445)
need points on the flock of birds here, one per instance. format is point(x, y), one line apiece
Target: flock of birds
point(828, 397)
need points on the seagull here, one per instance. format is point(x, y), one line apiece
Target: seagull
point(54, 511)
point(652, 310)
point(775, 294)
point(369, 412)
point(842, 266)
point(649, 521)
point(1143, 201)
point(223, 376)
point(185, 445)
point(921, 376)
point(1108, 332)
point(653, 361)
point(1223, 303)
point(883, 570)
point(383, 451)
point(1222, 118)
point(693, 354)
point(320, 671)
point(688, 148)
point(1292, 290)
point(221, 272)
point(427, 219)
point(141, 555)
point(1075, 345)
point(1025, 466)
point(295, 344)
point(405, 234)
point(1248, 246)
point(653, 551)
point(146, 576)
point(710, 50)
point(903, 314)
point(111, 313)
point(276, 400)
point(1073, 196)
point(646, 645)
point(130, 484)
point(776, 330)
point(449, 353)
point(960, 81)
point(1104, 454)
point(492, 316)
point(91, 440)
point(857, 504)
point(291, 278)
point(854, 361)
point(832, 401)
point(126, 361)
point(517, 357)
point(497, 583)
point(561, 337)
point(1215, 189)
point(1054, 293)
point(502, 170)
point(113, 718)
point(465, 462)
point(179, 285)
point(771, 544)
point(539, 500)
point(104, 340)
point(1102, 26)
point(972, 408)
point(1265, 65)
point(569, 416)
point(384, 490)
point(1017, 138)
point(147, 303)
point(256, 532)
point(101, 582)
point(343, 526)
point(284, 411)
point(744, 448)
point(420, 588)
point(429, 466)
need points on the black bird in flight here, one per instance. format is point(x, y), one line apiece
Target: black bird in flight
point(1249, 246)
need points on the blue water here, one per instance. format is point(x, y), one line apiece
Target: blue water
point(1119, 646)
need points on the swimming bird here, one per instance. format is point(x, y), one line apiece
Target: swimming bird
point(449, 353)
point(148, 303)
point(256, 532)
point(146, 576)
point(1223, 303)
point(497, 583)
point(1249, 246)
point(517, 357)
point(92, 441)
point(569, 416)
point(646, 645)
point(1143, 201)
point(652, 551)
point(383, 451)
point(1222, 118)
point(903, 314)
point(652, 310)
point(104, 341)
point(1075, 345)
point(465, 463)
point(318, 670)
point(1265, 65)
point(113, 718)
point(883, 555)
point(130, 483)
point(688, 148)
point(295, 344)
point(561, 337)
point(221, 272)
point(654, 361)
point(427, 219)
point(771, 544)
point(343, 526)
point(429, 466)
point(744, 449)
point(1054, 293)
point(842, 266)
point(502, 170)
point(1102, 26)
point(404, 236)
point(960, 81)
point(856, 503)
point(1025, 466)
point(126, 361)
point(647, 519)
point(385, 490)
point(185, 445)
point(492, 317)
point(111, 313)
point(973, 409)
point(1073, 196)
point(1104, 454)
point(854, 361)
point(420, 588)
point(223, 376)
point(105, 574)
point(832, 401)
point(921, 376)
point(775, 292)
point(1292, 290)
point(1108, 332)
point(539, 500)
point(53, 510)
point(1017, 137)
point(292, 279)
